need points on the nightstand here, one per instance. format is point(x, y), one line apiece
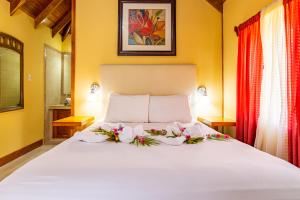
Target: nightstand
point(76, 123)
point(216, 122)
point(57, 114)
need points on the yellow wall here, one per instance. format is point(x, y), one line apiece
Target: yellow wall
point(67, 45)
point(198, 42)
point(23, 127)
point(235, 13)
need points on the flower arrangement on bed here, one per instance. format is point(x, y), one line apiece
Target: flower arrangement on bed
point(173, 135)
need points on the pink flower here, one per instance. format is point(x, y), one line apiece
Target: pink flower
point(141, 139)
point(188, 137)
point(115, 131)
point(121, 128)
point(208, 136)
point(182, 129)
point(218, 135)
point(226, 136)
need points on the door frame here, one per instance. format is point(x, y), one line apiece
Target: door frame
point(73, 57)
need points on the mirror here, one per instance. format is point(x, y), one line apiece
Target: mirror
point(66, 74)
point(11, 73)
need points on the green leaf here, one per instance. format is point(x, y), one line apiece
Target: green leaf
point(146, 141)
point(218, 137)
point(110, 134)
point(195, 140)
point(158, 13)
point(154, 132)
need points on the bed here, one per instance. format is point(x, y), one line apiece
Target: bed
point(211, 170)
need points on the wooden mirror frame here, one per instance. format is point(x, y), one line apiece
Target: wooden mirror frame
point(10, 42)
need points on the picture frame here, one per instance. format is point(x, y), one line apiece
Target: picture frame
point(147, 28)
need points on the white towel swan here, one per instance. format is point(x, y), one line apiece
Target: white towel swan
point(90, 136)
point(129, 133)
point(196, 130)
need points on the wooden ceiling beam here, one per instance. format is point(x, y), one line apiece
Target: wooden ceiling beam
point(46, 12)
point(66, 32)
point(61, 24)
point(218, 4)
point(15, 5)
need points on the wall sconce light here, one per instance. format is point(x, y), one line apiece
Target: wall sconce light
point(94, 87)
point(202, 90)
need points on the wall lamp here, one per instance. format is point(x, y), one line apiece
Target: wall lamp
point(202, 90)
point(94, 87)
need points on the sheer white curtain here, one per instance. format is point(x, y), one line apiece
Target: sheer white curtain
point(272, 131)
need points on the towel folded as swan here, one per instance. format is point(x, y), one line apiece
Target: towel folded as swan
point(90, 136)
point(129, 133)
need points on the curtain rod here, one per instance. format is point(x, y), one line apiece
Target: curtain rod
point(253, 18)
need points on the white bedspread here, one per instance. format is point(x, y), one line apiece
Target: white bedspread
point(212, 170)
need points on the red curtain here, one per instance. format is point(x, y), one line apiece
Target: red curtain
point(292, 20)
point(249, 77)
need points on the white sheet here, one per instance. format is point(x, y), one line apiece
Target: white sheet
point(212, 170)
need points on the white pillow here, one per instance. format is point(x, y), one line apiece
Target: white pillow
point(122, 108)
point(169, 109)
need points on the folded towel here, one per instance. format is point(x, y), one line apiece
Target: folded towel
point(173, 129)
point(129, 133)
point(110, 127)
point(205, 130)
point(196, 129)
point(139, 131)
point(91, 137)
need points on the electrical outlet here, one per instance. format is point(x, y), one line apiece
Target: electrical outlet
point(29, 77)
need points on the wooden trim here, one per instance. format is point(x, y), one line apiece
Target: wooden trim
point(67, 32)
point(218, 4)
point(73, 56)
point(14, 155)
point(74, 121)
point(217, 121)
point(46, 12)
point(72, 124)
point(214, 124)
point(61, 24)
point(14, 6)
point(10, 42)
point(223, 67)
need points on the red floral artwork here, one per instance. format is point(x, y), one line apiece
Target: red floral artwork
point(147, 27)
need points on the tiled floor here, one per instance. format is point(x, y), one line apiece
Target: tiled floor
point(9, 168)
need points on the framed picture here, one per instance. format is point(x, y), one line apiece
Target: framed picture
point(147, 28)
